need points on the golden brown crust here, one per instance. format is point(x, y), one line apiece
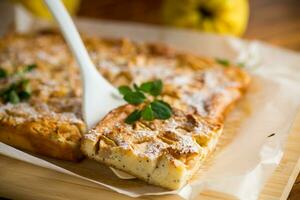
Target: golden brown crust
point(23, 138)
point(41, 132)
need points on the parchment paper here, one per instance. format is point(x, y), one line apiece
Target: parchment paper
point(245, 157)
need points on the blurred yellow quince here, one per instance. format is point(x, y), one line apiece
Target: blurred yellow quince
point(220, 16)
point(39, 9)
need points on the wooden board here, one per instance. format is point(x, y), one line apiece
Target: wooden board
point(20, 180)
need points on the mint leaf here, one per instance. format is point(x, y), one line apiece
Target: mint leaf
point(29, 68)
point(124, 89)
point(3, 73)
point(25, 90)
point(134, 98)
point(152, 87)
point(26, 69)
point(17, 92)
point(157, 88)
point(24, 95)
point(147, 113)
point(25, 86)
point(161, 110)
point(151, 109)
point(13, 97)
point(165, 103)
point(136, 87)
point(134, 116)
point(146, 87)
point(223, 62)
point(241, 65)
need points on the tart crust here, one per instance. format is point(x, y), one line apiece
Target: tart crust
point(49, 134)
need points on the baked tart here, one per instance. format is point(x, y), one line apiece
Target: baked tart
point(48, 120)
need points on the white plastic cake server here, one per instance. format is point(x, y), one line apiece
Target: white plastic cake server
point(99, 96)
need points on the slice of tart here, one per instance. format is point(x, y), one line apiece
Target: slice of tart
point(165, 153)
point(40, 131)
point(161, 152)
point(39, 105)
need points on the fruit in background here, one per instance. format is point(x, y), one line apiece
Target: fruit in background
point(39, 9)
point(220, 16)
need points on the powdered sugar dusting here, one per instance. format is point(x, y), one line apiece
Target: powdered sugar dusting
point(23, 112)
point(186, 144)
point(142, 134)
point(154, 149)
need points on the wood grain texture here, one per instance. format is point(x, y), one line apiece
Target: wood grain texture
point(276, 22)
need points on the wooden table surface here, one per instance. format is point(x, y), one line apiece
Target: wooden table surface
point(273, 21)
point(276, 22)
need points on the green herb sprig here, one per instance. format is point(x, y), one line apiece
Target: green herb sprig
point(19, 90)
point(226, 63)
point(3, 73)
point(153, 108)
